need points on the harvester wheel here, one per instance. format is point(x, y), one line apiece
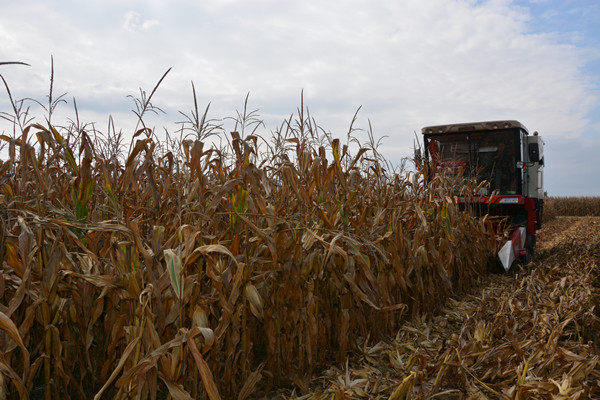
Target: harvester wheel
point(530, 242)
point(526, 258)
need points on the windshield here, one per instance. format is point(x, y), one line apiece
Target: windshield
point(489, 156)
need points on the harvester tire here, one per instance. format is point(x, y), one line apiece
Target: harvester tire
point(530, 243)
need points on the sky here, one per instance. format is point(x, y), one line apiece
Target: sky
point(407, 64)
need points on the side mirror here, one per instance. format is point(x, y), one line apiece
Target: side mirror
point(534, 152)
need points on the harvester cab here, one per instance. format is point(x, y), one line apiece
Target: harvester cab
point(509, 160)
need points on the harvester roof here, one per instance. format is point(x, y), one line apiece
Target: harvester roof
point(473, 126)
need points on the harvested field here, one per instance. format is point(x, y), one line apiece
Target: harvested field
point(533, 334)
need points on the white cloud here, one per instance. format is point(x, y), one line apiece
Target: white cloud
point(132, 21)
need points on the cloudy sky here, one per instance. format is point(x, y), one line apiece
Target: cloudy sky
point(408, 63)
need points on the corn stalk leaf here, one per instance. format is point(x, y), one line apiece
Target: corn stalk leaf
point(174, 268)
point(205, 372)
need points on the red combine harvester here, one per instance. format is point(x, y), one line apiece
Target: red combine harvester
point(504, 154)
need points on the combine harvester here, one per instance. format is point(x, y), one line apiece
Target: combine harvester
point(504, 154)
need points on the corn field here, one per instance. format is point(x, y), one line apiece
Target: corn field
point(571, 206)
point(533, 334)
point(213, 265)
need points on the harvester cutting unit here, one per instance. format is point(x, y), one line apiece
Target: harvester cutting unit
point(510, 160)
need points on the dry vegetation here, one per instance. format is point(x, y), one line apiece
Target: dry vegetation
point(194, 270)
point(290, 267)
point(571, 206)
